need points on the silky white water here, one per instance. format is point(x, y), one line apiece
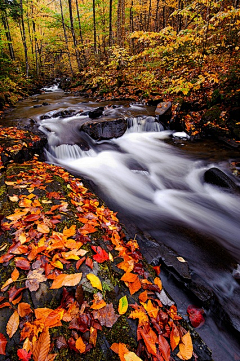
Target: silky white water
point(150, 179)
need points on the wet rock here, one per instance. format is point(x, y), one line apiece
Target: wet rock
point(218, 178)
point(154, 102)
point(45, 104)
point(64, 113)
point(96, 113)
point(105, 129)
point(64, 83)
point(37, 106)
point(164, 112)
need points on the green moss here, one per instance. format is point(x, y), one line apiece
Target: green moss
point(121, 332)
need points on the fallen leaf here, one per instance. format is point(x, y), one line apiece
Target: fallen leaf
point(89, 262)
point(164, 347)
point(174, 336)
point(23, 355)
point(150, 340)
point(143, 296)
point(3, 344)
point(24, 309)
point(101, 255)
point(185, 347)
point(93, 336)
point(42, 346)
point(123, 305)
point(15, 274)
point(98, 301)
point(95, 281)
point(34, 278)
point(106, 315)
point(66, 280)
point(22, 263)
point(80, 345)
point(195, 315)
point(13, 324)
point(131, 356)
point(158, 282)
point(43, 228)
point(151, 310)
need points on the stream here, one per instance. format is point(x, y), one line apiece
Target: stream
point(154, 179)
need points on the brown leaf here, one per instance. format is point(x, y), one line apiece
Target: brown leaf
point(22, 263)
point(106, 315)
point(13, 324)
point(34, 278)
point(42, 346)
point(61, 342)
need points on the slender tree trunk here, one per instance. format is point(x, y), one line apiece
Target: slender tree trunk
point(8, 35)
point(157, 17)
point(94, 28)
point(73, 35)
point(24, 39)
point(66, 39)
point(110, 23)
point(79, 23)
point(149, 15)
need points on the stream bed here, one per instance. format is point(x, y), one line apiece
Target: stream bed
point(155, 180)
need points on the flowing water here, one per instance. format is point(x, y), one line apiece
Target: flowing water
point(146, 178)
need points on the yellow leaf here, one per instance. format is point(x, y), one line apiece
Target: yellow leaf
point(123, 305)
point(66, 280)
point(185, 347)
point(12, 324)
point(57, 264)
point(95, 281)
point(43, 228)
point(131, 356)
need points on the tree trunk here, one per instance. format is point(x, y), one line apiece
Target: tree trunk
point(73, 35)
point(110, 23)
point(66, 39)
point(94, 28)
point(8, 35)
point(24, 39)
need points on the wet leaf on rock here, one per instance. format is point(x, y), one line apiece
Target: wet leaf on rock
point(106, 315)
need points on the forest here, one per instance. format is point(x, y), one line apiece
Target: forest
point(137, 49)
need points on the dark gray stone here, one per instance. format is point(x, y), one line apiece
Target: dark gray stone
point(218, 178)
point(96, 113)
point(105, 129)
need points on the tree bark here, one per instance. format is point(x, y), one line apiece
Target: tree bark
point(94, 28)
point(66, 38)
point(74, 35)
point(24, 39)
point(110, 23)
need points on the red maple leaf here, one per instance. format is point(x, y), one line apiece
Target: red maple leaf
point(101, 255)
point(23, 355)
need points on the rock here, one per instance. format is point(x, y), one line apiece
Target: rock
point(64, 113)
point(96, 113)
point(45, 103)
point(154, 102)
point(218, 178)
point(37, 106)
point(163, 112)
point(64, 83)
point(106, 129)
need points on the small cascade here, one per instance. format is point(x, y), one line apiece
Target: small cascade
point(143, 124)
point(51, 88)
point(67, 151)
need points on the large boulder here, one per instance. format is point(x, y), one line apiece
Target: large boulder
point(105, 129)
point(164, 112)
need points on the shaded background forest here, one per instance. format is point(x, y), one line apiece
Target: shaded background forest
point(110, 47)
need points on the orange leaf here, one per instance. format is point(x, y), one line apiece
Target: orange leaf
point(129, 277)
point(174, 336)
point(42, 346)
point(15, 274)
point(185, 347)
point(93, 336)
point(141, 315)
point(151, 310)
point(134, 286)
point(158, 282)
point(13, 324)
point(143, 296)
point(164, 347)
point(80, 345)
point(3, 344)
point(24, 309)
point(43, 228)
point(6, 284)
point(150, 340)
point(69, 232)
point(66, 280)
